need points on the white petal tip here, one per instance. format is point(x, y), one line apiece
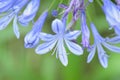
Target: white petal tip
point(65, 64)
point(18, 36)
point(105, 66)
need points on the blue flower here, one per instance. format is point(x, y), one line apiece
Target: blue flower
point(32, 38)
point(13, 14)
point(84, 29)
point(29, 12)
point(27, 15)
point(98, 42)
point(57, 42)
point(112, 13)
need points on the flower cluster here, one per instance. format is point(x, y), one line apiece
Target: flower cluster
point(65, 35)
point(11, 9)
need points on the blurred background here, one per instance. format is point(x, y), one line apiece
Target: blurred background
point(19, 63)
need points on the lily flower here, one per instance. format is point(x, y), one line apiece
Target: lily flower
point(13, 14)
point(57, 41)
point(27, 16)
point(99, 41)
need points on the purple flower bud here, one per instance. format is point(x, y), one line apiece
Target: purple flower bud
point(55, 13)
point(85, 31)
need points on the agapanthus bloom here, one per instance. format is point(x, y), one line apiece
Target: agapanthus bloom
point(112, 12)
point(5, 20)
point(14, 12)
point(32, 38)
point(98, 43)
point(57, 41)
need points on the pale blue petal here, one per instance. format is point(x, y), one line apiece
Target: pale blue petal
point(19, 4)
point(15, 28)
point(96, 34)
point(74, 48)
point(46, 37)
point(111, 47)
point(4, 21)
point(57, 26)
point(114, 40)
point(29, 12)
point(117, 30)
point(31, 39)
point(91, 54)
point(103, 58)
point(72, 35)
point(62, 53)
point(45, 47)
point(5, 5)
point(37, 27)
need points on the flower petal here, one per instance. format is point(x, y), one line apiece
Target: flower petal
point(46, 37)
point(111, 47)
point(103, 58)
point(117, 30)
point(6, 5)
point(19, 4)
point(4, 21)
point(63, 58)
point(97, 36)
point(15, 28)
point(31, 39)
point(29, 12)
point(57, 26)
point(114, 40)
point(72, 35)
point(74, 48)
point(45, 47)
point(62, 53)
point(91, 54)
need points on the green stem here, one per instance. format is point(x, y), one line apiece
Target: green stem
point(52, 5)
